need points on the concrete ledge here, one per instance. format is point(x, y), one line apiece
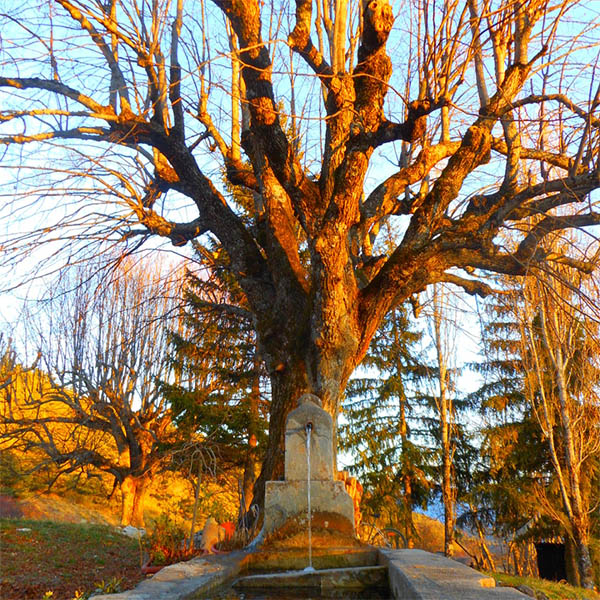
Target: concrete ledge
point(412, 575)
point(420, 575)
point(182, 580)
point(289, 559)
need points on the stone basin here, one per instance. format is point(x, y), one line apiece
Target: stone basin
point(356, 579)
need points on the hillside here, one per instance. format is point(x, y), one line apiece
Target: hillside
point(51, 507)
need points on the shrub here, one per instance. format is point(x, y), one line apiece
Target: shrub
point(166, 544)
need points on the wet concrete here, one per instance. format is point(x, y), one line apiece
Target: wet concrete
point(357, 578)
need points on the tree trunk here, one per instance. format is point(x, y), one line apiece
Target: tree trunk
point(582, 556)
point(448, 498)
point(250, 465)
point(312, 347)
point(133, 499)
point(575, 509)
point(249, 477)
point(286, 387)
point(486, 555)
point(445, 411)
point(409, 526)
point(407, 500)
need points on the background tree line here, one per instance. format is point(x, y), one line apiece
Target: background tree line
point(524, 449)
point(472, 125)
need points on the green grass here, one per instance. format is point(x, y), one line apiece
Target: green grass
point(552, 589)
point(65, 558)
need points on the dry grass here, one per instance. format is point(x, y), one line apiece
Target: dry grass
point(553, 590)
point(70, 560)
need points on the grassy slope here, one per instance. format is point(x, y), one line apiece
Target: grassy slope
point(65, 558)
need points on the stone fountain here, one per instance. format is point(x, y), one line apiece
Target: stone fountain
point(310, 516)
point(286, 501)
point(344, 567)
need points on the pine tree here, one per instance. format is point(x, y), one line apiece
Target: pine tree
point(381, 425)
point(502, 497)
point(524, 467)
point(223, 394)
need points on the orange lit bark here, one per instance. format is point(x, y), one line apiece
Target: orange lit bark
point(133, 498)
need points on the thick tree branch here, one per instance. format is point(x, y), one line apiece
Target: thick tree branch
point(175, 74)
point(517, 205)
point(129, 129)
point(474, 287)
point(22, 83)
point(179, 233)
point(384, 199)
point(116, 73)
point(345, 163)
point(411, 130)
point(91, 134)
point(560, 98)
point(282, 243)
point(238, 173)
point(558, 160)
point(473, 151)
point(301, 43)
point(532, 243)
point(265, 123)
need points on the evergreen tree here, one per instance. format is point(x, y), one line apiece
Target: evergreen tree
point(223, 392)
point(523, 450)
point(381, 425)
point(503, 497)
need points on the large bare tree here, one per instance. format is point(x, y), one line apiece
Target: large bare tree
point(473, 124)
point(96, 404)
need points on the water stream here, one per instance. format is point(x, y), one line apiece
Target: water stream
point(309, 427)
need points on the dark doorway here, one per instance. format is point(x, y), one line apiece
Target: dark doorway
point(551, 561)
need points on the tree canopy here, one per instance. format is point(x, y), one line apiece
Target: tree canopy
point(473, 124)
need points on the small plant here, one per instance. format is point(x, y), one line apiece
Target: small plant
point(166, 543)
point(111, 586)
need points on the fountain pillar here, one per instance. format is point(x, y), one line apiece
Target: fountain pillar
point(286, 501)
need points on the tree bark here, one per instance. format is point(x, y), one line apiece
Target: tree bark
point(582, 555)
point(133, 499)
point(448, 499)
point(407, 500)
point(287, 386)
point(445, 412)
point(552, 331)
point(487, 558)
point(251, 464)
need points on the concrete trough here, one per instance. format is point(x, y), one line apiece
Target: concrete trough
point(420, 575)
point(410, 575)
point(351, 579)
